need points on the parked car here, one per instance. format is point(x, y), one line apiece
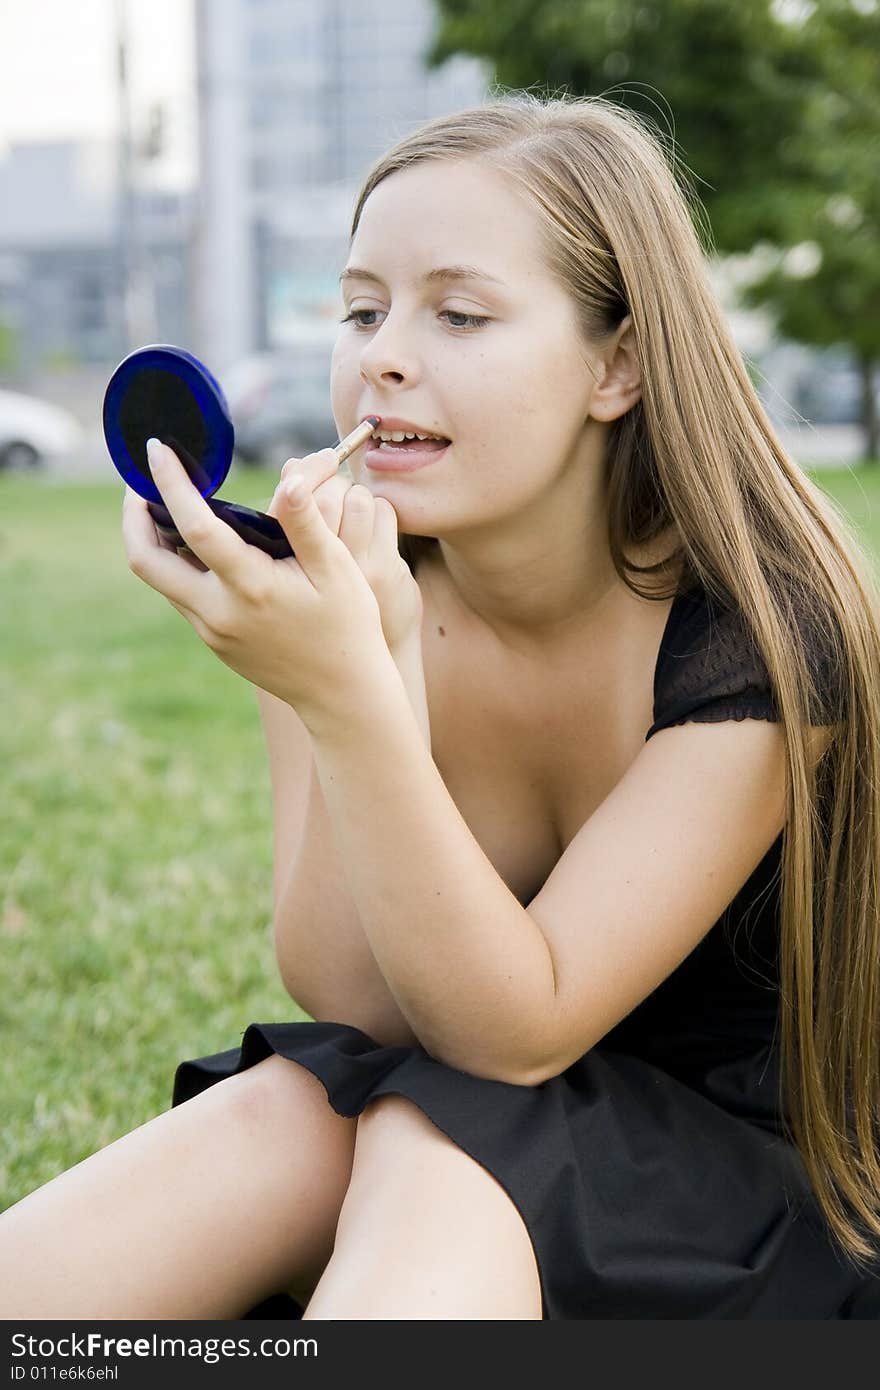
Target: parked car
point(33, 430)
point(280, 403)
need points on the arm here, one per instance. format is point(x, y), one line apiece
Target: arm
point(323, 956)
point(468, 967)
point(487, 985)
point(311, 633)
point(408, 660)
point(514, 994)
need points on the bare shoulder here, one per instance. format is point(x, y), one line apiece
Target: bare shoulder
point(624, 852)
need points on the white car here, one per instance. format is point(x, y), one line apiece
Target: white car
point(34, 430)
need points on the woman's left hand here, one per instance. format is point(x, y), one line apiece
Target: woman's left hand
point(307, 630)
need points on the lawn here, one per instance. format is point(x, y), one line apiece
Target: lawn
point(135, 835)
point(135, 828)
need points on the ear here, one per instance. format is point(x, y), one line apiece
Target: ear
point(618, 389)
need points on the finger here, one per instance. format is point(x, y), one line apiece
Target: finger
point(138, 527)
point(385, 530)
point(165, 541)
point(186, 554)
point(319, 470)
point(330, 497)
point(358, 521)
point(133, 502)
point(317, 467)
point(313, 543)
point(210, 539)
point(154, 563)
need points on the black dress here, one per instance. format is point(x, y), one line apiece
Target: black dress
point(651, 1174)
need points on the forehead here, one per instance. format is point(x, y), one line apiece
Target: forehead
point(447, 212)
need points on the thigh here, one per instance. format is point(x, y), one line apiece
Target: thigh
point(199, 1213)
point(308, 1152)
point(303, 1152)
point(425, 1231)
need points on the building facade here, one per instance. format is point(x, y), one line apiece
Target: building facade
point(296, 99)
point(62, 269)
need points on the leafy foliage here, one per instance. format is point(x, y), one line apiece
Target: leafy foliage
point(773, 106)
point(735, 81)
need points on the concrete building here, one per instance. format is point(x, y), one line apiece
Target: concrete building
point(296, 98)
point(61, 274)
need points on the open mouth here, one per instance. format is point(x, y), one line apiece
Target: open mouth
point(403, 442)
point(403, 454)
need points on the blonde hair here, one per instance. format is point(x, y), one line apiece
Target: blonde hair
point(697, 452)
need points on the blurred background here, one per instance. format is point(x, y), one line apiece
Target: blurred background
point(185, 171)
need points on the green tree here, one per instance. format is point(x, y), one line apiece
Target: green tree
point(826, 290)
point(736, 79)
point(772, 112)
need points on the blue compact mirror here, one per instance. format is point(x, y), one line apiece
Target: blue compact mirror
point(162, 391)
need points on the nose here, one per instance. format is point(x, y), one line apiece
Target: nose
point(386, 356)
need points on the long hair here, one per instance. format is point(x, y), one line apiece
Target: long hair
point(622, 231)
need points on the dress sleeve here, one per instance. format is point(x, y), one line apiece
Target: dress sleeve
point(710, 669)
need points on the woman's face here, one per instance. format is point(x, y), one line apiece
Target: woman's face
point(511, 392)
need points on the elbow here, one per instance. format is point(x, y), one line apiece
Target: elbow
point(520, 1045)
point(554, 1060)
point(514, 1076)
point(547, 1056)
point(534, 1075)
point(534, 1071)
point(538, 1058)
point(531, 1066)
point(545, 1072)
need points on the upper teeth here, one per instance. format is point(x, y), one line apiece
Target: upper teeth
point(397, 435)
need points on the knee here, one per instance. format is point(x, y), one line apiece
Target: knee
point(282, 1101)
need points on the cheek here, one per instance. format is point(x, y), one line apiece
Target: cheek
point(334, 369)
point(524, 371)
point(343, 379)
point(523, 426)
point(551, 398)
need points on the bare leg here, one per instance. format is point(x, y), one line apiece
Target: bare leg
point(199, 1213)
point(425, 1232)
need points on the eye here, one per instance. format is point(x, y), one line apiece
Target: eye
point(472, 320)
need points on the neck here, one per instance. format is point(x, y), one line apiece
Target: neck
point(531, 594)
point(544, 574)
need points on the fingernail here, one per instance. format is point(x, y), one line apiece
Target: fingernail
point(153, 448)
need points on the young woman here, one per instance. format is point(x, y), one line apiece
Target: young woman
point(576, 803)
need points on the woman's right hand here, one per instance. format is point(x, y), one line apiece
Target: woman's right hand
point(368, 527)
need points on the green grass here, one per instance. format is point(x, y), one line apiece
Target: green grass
point(135, 835)
point(135, 829)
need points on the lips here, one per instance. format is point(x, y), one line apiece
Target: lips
point(403, 458)
point(392, 424)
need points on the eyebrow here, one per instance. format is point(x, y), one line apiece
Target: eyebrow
point(441, 272)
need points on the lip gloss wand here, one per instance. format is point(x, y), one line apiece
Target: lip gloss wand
point(359, 435)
